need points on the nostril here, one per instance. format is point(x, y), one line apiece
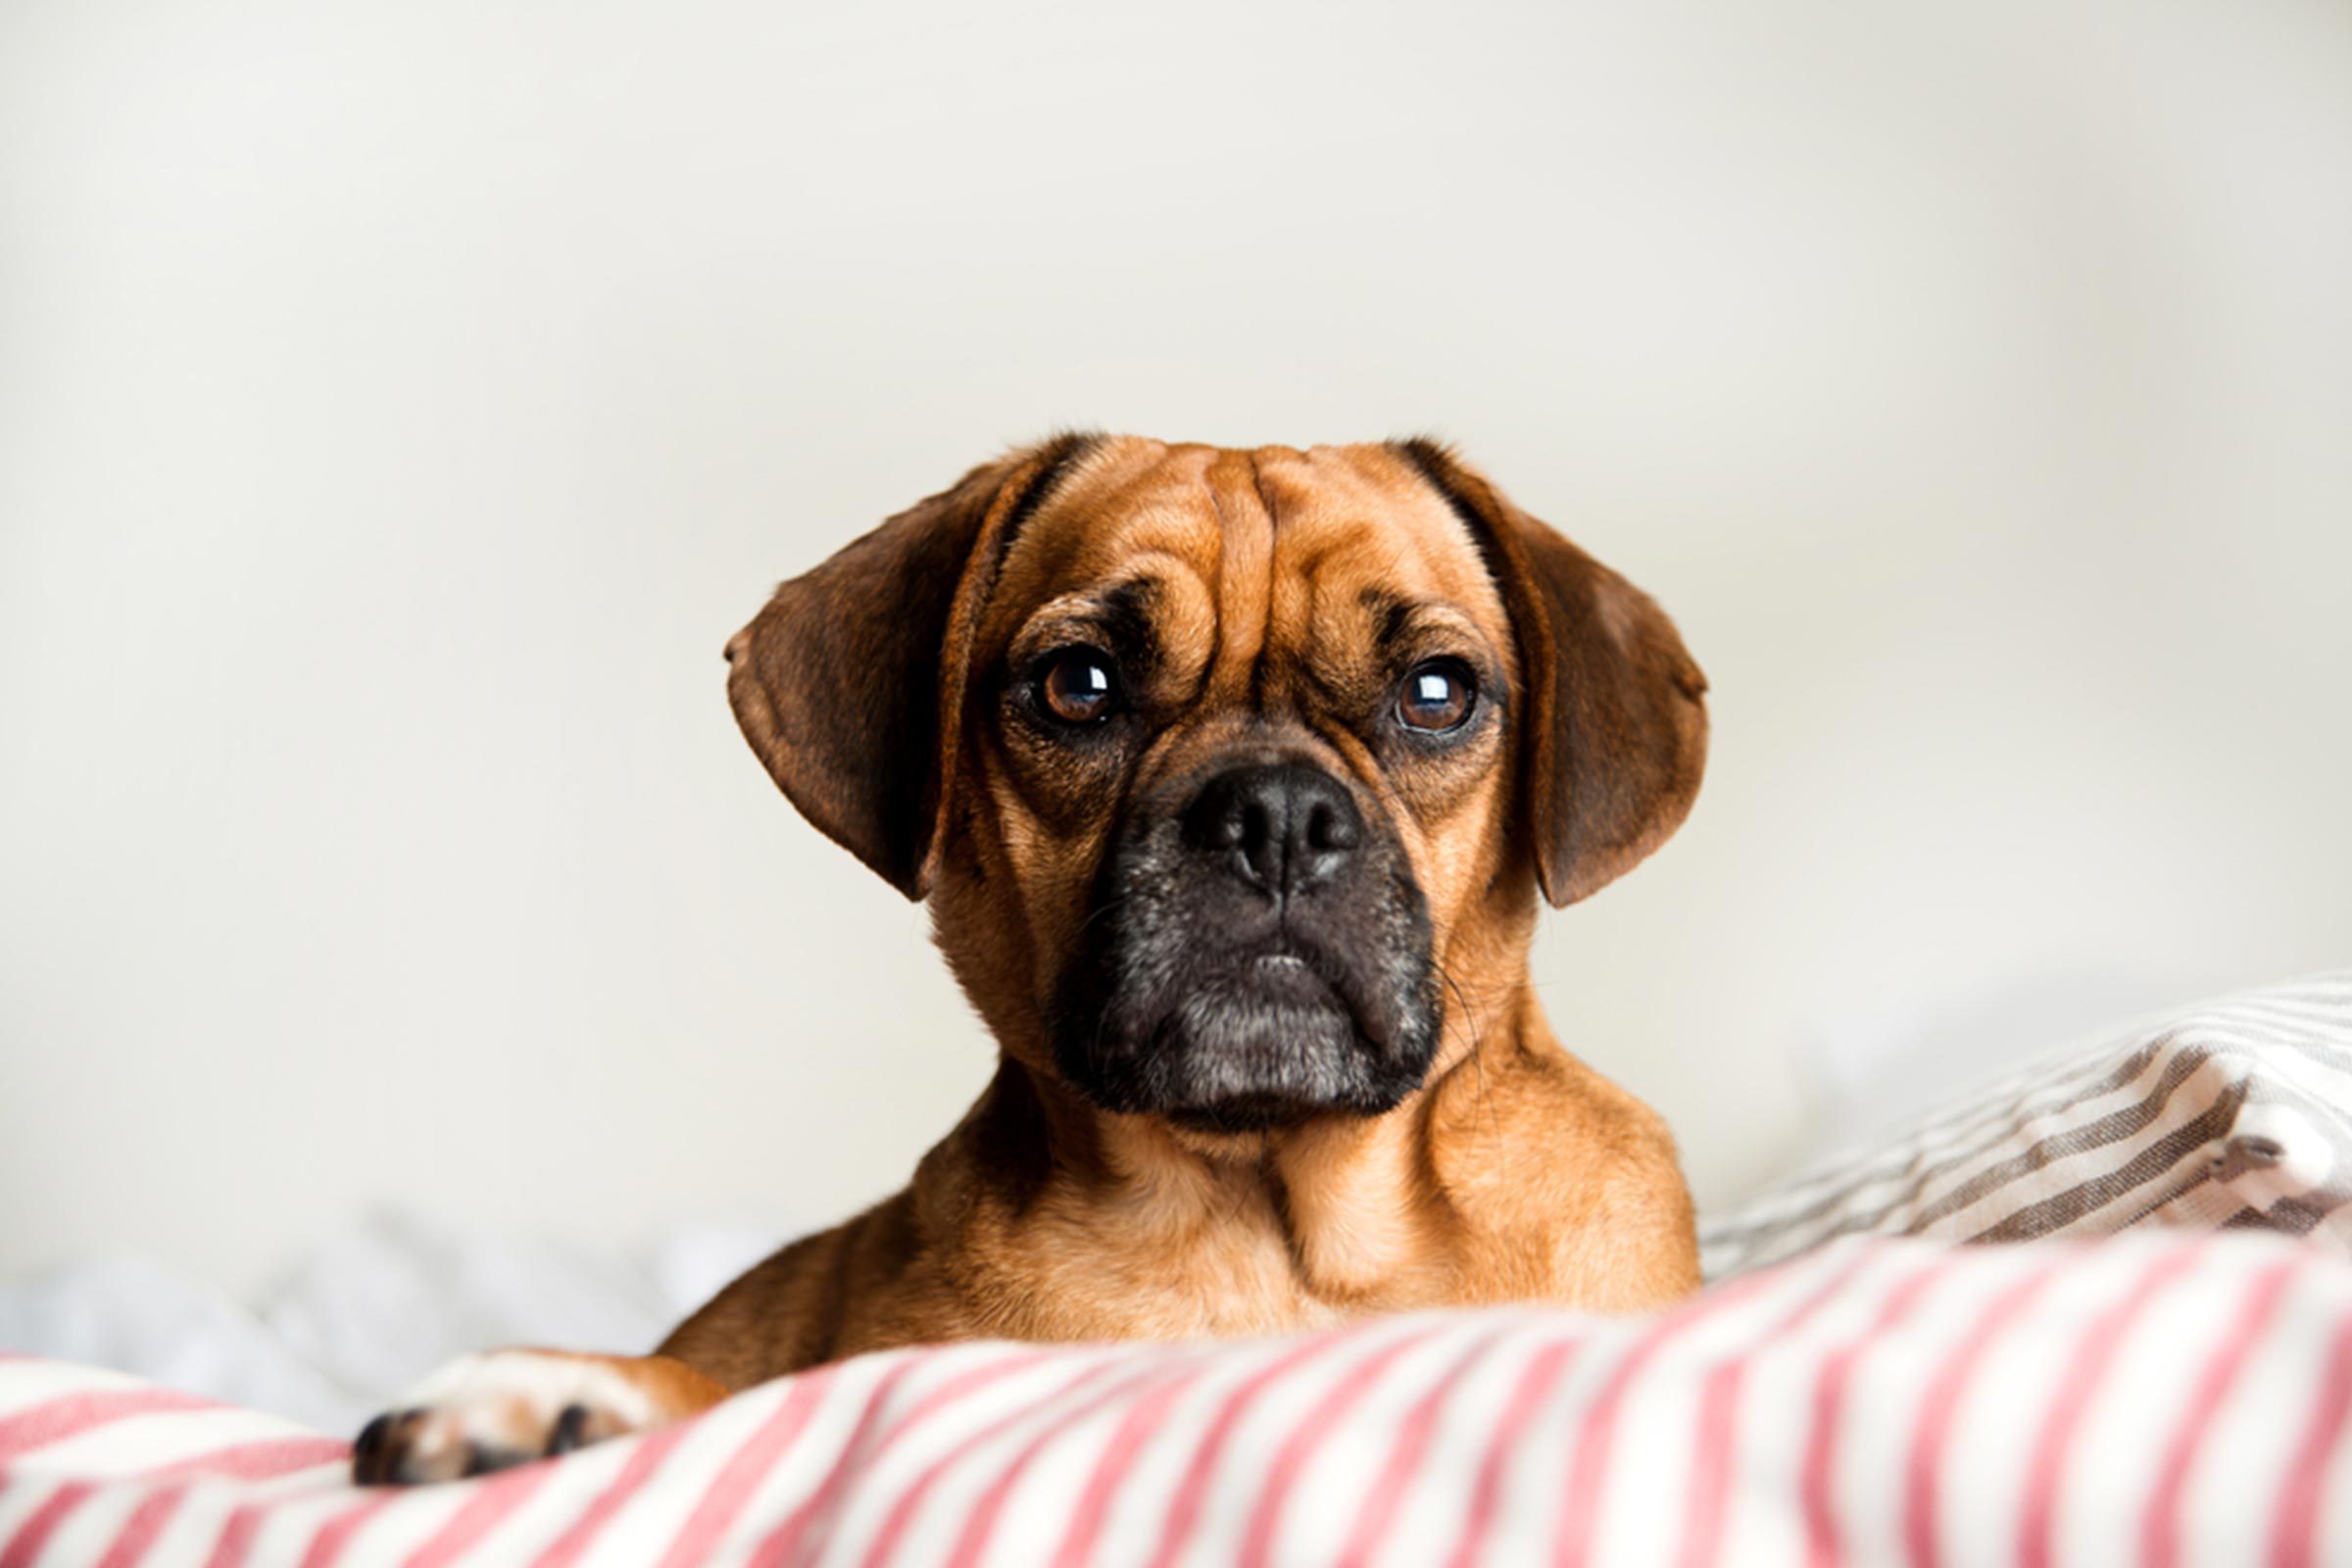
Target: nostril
point(1261, 847)
point(1257, 826)
point(1329, 828)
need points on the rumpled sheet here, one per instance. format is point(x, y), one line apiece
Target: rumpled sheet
point(2160, 1397)
point(367, 1312)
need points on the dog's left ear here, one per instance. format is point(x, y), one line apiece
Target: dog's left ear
point(850, 685)
point(1614, 734)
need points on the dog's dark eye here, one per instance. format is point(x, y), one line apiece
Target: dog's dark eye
point(1077, 685)
point(1437, 696)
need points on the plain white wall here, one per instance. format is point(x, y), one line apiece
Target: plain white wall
point(400, 404)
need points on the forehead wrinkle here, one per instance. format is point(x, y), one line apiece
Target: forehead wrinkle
point(1244, 573)
point(1183, 645)
point(1129, 501)
point(1087, 608)
point(1371, 573)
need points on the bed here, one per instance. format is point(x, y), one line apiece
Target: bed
point(2155, 1367)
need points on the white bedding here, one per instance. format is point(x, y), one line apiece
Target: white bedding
point(367, 1313)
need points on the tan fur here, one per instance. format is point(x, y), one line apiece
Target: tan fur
point(1515, 1173)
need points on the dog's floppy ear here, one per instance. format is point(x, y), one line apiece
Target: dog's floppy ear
point(1616, 722)
point(850, 684)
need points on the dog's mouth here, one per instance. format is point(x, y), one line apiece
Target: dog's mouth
point(1255, 1041)
point(1259, 954)
point(1263, 1043)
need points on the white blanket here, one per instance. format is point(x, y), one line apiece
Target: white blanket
point(367, 1313)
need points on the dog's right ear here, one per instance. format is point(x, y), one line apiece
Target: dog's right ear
point(850, 685)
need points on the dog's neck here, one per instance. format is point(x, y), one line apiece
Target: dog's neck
point(1353, 1209)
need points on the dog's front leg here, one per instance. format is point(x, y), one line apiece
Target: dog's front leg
point(506, 1407)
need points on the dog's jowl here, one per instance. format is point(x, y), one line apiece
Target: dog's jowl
point(1234, 780)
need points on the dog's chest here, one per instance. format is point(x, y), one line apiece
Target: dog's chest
point(1146, 1272)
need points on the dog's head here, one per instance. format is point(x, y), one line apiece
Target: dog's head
point(1226, 772)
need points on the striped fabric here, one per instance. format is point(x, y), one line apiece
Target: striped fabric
point(2159, 1399)
point(2235, 1114)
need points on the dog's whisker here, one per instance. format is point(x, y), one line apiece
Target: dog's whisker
point(1478, 1054)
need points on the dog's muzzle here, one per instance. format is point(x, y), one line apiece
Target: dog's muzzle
point(1259, 953)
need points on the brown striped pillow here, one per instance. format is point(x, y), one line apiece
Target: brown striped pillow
point(2235, 1114)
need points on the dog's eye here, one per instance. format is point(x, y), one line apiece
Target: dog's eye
point(1077, 685)
point(1437, 696)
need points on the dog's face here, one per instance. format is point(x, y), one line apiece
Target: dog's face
point(1242, 724)
point(1226, 772)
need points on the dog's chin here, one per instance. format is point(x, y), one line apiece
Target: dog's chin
point(1267, 1045)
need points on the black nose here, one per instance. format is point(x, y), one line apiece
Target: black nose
point(1284, 829)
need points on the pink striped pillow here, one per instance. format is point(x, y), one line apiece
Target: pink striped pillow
point(2159, 1398)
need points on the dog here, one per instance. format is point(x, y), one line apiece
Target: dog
point(1232, 778)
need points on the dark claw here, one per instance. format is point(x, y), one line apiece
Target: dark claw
point(481, 1460)
point(383, 1453)
point(366, 1454)
point(569, 1426)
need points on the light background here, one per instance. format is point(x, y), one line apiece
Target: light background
point(400, 404)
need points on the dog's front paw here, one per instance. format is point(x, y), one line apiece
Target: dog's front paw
point(507, 1407)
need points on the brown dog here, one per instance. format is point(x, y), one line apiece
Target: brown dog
point(1232, 777)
